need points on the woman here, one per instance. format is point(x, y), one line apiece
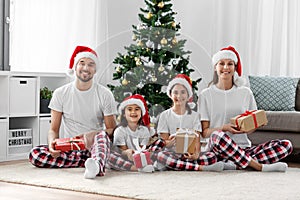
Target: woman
point(226, 98)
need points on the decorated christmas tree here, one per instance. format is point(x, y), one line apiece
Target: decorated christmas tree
point(154, 58)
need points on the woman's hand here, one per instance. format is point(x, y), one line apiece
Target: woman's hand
point(231, 128)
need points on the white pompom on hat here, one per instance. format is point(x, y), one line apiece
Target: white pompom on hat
point(82, 52)
point(186, 82)
point(138, 100)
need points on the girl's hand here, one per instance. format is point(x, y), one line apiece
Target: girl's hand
point(54, 153)
point(128, 153)
point(231, 128)
point(193, 156)
point(170, 141)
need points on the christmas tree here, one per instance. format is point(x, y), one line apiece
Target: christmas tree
point(156, 56)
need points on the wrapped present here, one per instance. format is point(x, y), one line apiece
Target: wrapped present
point(250, 120)
point(142, 159)
point(67, 144)
point(185, 141)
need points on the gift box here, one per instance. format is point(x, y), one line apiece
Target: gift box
point(67, 144)
point(250, 120)
point(141, 159)
point(185, 141)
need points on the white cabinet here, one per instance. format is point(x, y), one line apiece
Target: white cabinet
point(22, 126)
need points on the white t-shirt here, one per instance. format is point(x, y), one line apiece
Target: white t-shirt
point(124, 136)
point(83, 111)
point(169, 121)
point(218, 106)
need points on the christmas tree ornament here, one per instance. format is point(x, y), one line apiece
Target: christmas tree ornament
point(141, 27)
point(134, 37)
point(164, 41)
point(161, 4)
point(149, 15)
point(151, 64)
point(140, 43)
point(164, 89)
point(118, 69)
point(124, 82)
point(157, 23)
point(138, 63)
point(174, 24)
point(153, 79)
point(161, 68)
point(140, 85)
point(149, 44)
point(174, 41)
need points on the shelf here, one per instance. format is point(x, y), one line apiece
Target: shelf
point(20, 111)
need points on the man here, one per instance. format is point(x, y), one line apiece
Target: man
point(83, 106)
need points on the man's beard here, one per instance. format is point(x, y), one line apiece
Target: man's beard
point(85, 79)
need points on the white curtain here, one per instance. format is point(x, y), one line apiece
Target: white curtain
point(266, 33)
point(44, 33)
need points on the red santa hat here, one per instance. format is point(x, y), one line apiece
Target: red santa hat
point(186, 82)
point(228, 53)
point(82, 52)
point(138, 100)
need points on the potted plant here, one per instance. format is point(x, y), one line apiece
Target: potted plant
point(45, 97)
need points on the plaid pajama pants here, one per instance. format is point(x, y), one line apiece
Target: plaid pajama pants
point(223, 148)
point(41, 157)
point(119, 162)
point(227, 150)
point(176, 161)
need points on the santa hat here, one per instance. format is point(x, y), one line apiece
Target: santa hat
point(82, 52)
point(138, 100)
point(186, 82)
point(228, 53)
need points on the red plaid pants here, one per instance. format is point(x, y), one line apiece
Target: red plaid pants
point(41, 157)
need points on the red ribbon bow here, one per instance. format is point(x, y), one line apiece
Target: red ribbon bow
point(247, 113)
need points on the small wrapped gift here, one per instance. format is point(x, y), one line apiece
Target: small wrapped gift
point(250, 120)
point(67, 144)
point(142, 159)
point(185, 141)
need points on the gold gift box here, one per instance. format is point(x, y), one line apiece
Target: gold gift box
point(185, 141)
point(250, 120)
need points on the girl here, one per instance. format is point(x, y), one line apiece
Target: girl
point(132, 133)
point(226, 98)
point(180, 115)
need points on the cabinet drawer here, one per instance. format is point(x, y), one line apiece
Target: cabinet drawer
point(22, 96)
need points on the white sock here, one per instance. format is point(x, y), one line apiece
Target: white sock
point(275, 167)
point(229, 165)
point(147, 169)
point(159, 167)
point(216, 167)
point(91, 168)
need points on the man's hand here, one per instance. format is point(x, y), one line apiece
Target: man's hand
point(54, 153)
